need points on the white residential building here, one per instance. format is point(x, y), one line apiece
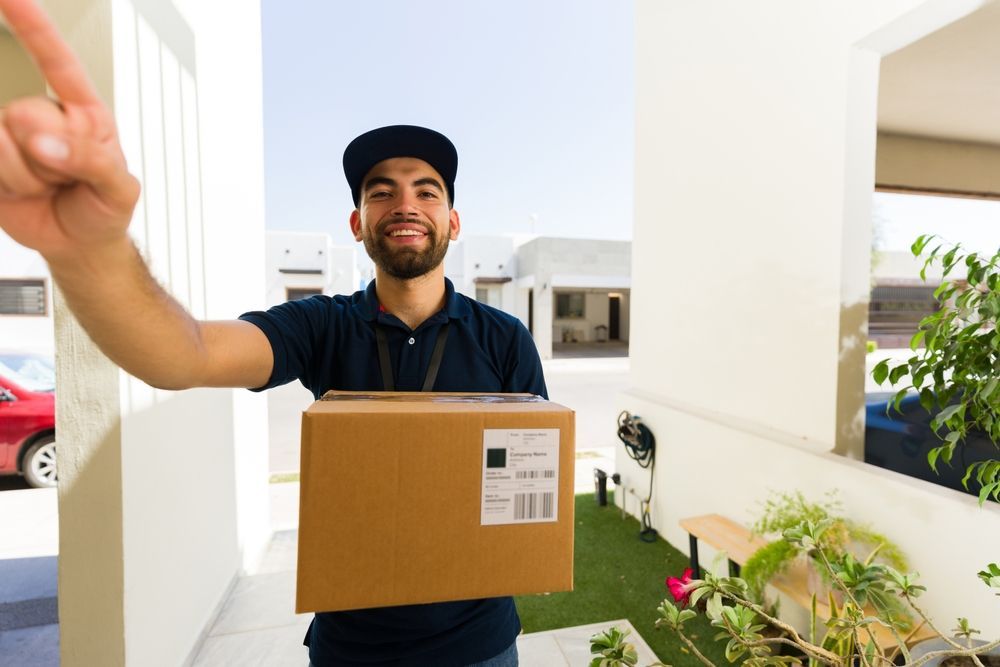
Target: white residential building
point(25, 300)
point(563, 290)
point(300, 264)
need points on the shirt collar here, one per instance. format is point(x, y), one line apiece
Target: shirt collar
point(456, 307)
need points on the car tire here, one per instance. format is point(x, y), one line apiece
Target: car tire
point(39, 464)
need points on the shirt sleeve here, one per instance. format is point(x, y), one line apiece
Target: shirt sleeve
point(294, 330)
point(524, 367)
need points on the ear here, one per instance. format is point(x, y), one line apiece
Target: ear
point(356, 224)
point(454, 224)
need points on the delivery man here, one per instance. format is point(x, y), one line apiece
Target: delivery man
point(66, 192)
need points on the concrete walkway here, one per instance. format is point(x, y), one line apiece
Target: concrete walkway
point(258, 625)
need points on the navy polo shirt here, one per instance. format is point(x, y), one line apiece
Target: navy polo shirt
point(329, 343)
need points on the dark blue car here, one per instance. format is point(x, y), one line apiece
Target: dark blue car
point(900, 442)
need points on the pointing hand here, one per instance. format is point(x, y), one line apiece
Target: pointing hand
point(64, 186)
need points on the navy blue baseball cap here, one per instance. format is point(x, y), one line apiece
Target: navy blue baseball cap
point(384, 143)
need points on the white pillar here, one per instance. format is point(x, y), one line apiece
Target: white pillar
point(163, 495)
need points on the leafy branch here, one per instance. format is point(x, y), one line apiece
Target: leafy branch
point(958, 369)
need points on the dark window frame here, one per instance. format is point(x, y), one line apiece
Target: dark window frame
point(295, 293)
point(25, 283)
point(569, 312)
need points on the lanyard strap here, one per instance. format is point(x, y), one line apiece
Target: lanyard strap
point(385, 361)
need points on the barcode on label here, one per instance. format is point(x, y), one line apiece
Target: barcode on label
point(533, 505)
point(534, 474)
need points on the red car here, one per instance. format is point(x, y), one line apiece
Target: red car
point(28, 417)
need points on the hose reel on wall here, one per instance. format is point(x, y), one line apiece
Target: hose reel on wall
point(640, 445)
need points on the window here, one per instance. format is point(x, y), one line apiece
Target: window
point(23, 297)
point(489, 295)
point(569, 305)
point(293, 293)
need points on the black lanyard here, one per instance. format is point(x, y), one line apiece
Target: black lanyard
point(385, 362)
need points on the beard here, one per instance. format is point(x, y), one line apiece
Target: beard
point(404, 263)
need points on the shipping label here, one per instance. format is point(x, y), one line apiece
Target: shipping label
point(520, 476)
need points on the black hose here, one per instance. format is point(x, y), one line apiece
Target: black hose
point(640, 445)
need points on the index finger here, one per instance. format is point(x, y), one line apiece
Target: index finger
point(41, 39)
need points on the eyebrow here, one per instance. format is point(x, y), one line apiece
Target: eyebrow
point(429, 181)
point(375, 181)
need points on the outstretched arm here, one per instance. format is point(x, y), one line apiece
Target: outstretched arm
point(66, 192)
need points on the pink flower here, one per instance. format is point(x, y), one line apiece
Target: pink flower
point(679, 587)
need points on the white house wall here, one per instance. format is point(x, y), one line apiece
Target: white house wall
point(32, 333)
point(755, 150)
point(163, 495)
point(473, 257)
point(546, 264)
point(336, 266)
point(202, 480)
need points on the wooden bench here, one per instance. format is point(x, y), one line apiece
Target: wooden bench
point(739, 544)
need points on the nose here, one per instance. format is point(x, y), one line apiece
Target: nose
point(406, 205)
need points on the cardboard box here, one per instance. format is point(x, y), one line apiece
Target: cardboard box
point(408, 498)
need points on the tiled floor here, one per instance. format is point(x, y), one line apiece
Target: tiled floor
point(258, 627)
point(570, 647)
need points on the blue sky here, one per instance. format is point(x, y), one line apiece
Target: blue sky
point(537, 96)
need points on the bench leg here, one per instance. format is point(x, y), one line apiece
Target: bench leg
point(734, 568)
point(695, 567)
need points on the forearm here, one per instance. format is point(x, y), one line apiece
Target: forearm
point(134, 321)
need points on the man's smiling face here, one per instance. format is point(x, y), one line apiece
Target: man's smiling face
point(404, 217)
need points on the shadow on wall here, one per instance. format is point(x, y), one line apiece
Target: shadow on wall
point(852, 341)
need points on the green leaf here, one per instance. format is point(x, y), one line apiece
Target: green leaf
point(948, 261)
point(988, 389)
point(917, 339)
point(968, 475)
point(985, 492)
point(896, 373)
point(947, 413)
point(927, 399)
point(898, 398)
point(918, 246)
point(698, 593)
point(881, 371)
point(932, 457)
point(947, 452)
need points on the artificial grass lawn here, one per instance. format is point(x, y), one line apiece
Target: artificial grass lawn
point(619, 576)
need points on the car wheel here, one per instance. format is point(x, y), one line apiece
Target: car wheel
point(40, 463)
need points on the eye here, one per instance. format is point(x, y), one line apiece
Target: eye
point(379, 194)
point(429, 194)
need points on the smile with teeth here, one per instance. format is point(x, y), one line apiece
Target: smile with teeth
point(406, 232)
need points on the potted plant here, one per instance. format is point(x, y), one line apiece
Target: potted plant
point(783, 511)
